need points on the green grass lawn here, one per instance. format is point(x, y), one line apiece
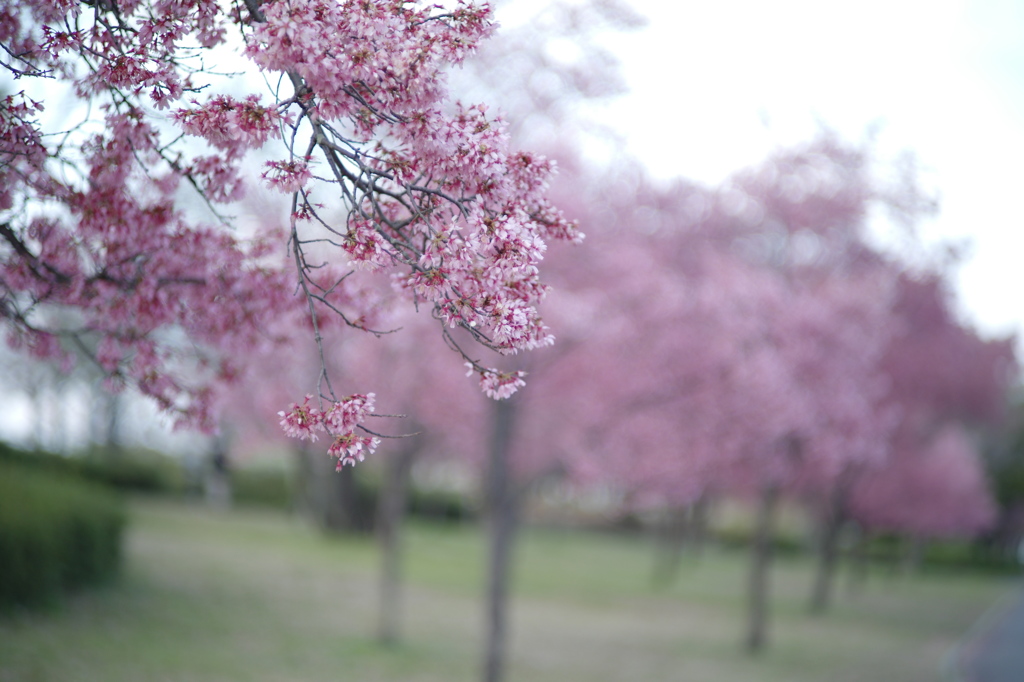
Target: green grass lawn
point(253, 597)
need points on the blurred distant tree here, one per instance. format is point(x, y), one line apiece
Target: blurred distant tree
point(942, 377)
point(1004, 462)
point(763, 377)
point(939, 491)
point(939, 368)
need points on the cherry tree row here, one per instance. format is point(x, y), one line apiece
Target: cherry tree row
point(753, 344)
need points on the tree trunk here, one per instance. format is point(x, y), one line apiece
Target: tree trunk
point(391, 511)
point(676, 525)
point(761, 550)
point(831, 526)
point(501, 525)
point(913, 554)
point(105, 419)
point(345, 511)
point(328, 497)
point(112, 437)
point(700, 523)
point(50, 422)
point(217, 476)
point(305, 500)
point(682, 528)
point(34, 391)
point(859, 562)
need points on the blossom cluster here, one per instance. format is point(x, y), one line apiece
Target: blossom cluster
point(431, 192)
point(229, 124)
point(470, 241)
point(288, 176)
point(339, 421)
point(495, 384)
point(113, 263)
point(367, 54)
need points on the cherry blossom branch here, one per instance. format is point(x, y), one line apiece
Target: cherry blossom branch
point(431, 193)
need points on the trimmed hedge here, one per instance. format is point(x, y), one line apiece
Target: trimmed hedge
point(262, 487)
point(439, 505)
point(421, 503)
point(57, 533)
point(133, 470)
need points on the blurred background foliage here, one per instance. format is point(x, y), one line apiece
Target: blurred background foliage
point(62, 517)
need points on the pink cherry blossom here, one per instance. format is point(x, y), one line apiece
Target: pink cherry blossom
point(288, 176)
point(498, 385)
point(349, 448)
point(408, 184)
point(302, 421)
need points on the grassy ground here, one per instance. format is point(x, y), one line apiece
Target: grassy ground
point(214, 597)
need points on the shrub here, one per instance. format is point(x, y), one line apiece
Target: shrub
point(56, 533)
point(131, 470)
point(41, 460)
point(260, 486)
point(135, 470)
point(439, 505)
point(425, 503)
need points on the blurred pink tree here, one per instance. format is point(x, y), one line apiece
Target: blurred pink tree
point(938, 491)
point(936, 373)
point(756, 368)
point(943, 377)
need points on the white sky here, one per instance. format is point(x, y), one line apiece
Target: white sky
point(715, 85)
